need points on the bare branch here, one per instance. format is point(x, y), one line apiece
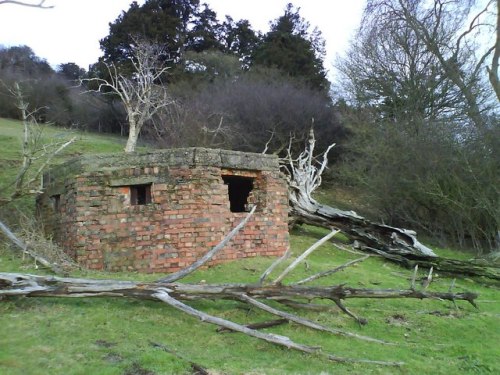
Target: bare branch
point(415, 270)
point(493, 71)
point(31, 150)
point(23, 3)
point(428, 280)
point(25, 250)
point(361, 321)
point(52, 286)
point(143, 95)
point(472, 26)
point(305, 322)
point(163, 295)
point(329, 272)
point(260, 325)
point(275, 264)
point(304, 177)
point(266, 147)
point(304, 255)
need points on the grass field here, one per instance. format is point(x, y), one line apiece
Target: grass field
point(115, 336)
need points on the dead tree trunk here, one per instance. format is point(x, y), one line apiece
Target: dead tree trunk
point(396, 244)
point(12, 284)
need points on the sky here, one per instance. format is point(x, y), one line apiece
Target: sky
point(71, 30)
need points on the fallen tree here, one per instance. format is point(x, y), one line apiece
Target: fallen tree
point(395, 244)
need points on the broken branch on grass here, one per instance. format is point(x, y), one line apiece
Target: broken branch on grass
point(275, 264)
point(25, 250)
point(12, 284)
point(304, 255)
point(17, 284)
point(415, 270)
point(306, 306)
point(260, 325)
point(306, 322)
point(280, 340)
point(329, 272)
point(427, 281)
point(361, 321)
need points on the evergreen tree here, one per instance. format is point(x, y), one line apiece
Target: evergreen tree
point(165, 22)
point(205, 33)
point(239, 38)
point(290, 47)
point(22, 61)
point(71, 71)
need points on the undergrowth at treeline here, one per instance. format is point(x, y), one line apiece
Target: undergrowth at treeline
point(116, 335)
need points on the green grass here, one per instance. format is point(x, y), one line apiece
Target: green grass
point(114, 335)
point(11, 133)
point(111, 335)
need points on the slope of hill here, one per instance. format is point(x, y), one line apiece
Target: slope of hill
point(114, 335)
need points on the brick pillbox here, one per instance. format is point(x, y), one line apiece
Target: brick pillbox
point(160, 211)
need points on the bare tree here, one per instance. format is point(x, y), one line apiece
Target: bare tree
point(36, 154)
point(493, 70)
point(428, 118)
point(40, 4)
point(447, 30)
point(142, 93)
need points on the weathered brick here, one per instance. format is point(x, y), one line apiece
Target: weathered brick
point(188, 215)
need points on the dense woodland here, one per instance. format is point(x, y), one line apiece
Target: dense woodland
point(413, 109)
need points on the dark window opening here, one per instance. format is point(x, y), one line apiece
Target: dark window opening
point(239, 189)
point(140, 194)
point(56, 201)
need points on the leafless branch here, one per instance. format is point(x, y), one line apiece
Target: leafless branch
point(163, 295)
point(305, 322)
point(415, 270)
point(25, 250)
point(23, 3)
point(493, 70)
point(304, 255)
point(472, 26)
point(266, 147)
point(33, 151)
point(304, 176)
point(329, 272)
point(143, 95)
point(275, 264)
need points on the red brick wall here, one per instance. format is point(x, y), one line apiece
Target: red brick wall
point(188, 215)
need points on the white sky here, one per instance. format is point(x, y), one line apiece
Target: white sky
point(70, 32)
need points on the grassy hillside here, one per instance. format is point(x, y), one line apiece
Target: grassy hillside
point(114, 336)
point(10, 150)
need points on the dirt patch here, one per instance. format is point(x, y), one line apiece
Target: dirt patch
point(113, 357)
point(104, 343)
point(136, 369)
point(398, 320)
